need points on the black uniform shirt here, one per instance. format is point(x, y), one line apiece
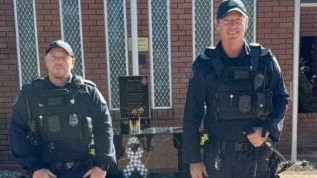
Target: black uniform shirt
point(89, 103)
point(204, 75)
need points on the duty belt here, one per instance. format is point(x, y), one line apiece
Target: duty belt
point(70, 165)
point(233, 146)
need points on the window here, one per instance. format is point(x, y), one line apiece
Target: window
point(202, 25)
point(71, 28)
point(160, 54)
point(27, 47)
point(116, 47)
point(307, 88)
point(308, 3)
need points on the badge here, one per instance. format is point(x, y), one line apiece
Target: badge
point(73, 120)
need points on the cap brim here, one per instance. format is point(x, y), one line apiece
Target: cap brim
point(60, 45)
point(235, 9)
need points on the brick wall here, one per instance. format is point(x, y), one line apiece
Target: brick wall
point(307, 130)
point(274, 30)
point(8, 73)
point(308, 20)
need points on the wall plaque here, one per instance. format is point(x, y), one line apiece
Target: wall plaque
point(134, 97)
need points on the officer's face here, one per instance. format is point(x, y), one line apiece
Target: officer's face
point(232, 27)
point(59, 63)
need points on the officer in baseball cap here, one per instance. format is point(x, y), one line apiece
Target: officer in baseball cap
point(229, 6)
point(60, 44)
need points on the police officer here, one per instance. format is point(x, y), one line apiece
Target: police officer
point(61, 126)
point(237, 92)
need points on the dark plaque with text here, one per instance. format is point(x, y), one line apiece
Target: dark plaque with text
point(134, 96)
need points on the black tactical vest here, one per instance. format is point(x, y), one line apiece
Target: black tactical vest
point(239, 92)
point(56, 117)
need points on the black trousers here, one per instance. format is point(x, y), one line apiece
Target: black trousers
point(251, 163)
point(112, 172)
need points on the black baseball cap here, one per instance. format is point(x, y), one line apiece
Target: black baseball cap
point(231, 5)
point(60, 44)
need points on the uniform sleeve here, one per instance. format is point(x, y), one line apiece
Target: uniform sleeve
point(102, 130)
point(275, 119)
point(22, 150)
point(193, 114)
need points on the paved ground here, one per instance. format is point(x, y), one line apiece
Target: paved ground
point(301, 169)
point(305, 174)
point(162, 159)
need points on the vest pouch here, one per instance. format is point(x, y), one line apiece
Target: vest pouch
point(236, 105)
point(60, 127)
point(245, 103)
point(238, 74)
point(54, 124)
point(86, 130)
point(263, 104)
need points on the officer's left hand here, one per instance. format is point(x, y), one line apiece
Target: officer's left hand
point(95, 172)
point(256, 138)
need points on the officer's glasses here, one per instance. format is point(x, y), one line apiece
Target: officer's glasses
point(232, 22)
point(59, 58)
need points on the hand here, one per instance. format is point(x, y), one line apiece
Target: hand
point(43, 173)
point(256, 138)
point(95, 172)
point(198, 170)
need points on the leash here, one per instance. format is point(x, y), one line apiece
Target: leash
point(286, 164)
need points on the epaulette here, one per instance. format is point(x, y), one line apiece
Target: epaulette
point(79, 82)
point(209, 51)
point(204, 56)
point(89, 82)
point(37, 80)
point(264, 51)
point(255, 44)
point(36, 83)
